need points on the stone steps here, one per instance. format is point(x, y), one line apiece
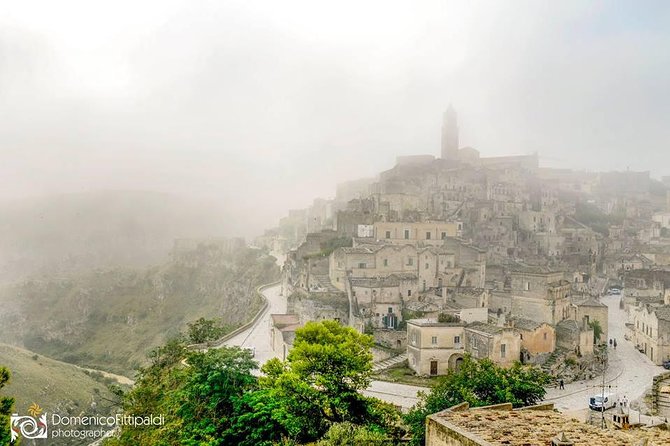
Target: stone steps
point(390, 362)
point(324, 281)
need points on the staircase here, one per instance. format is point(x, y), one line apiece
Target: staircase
point(387, 363)
point(325, 283)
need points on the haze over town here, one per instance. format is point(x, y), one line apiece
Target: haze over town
point(245, 103)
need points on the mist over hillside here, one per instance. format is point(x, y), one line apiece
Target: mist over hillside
point(68, 233)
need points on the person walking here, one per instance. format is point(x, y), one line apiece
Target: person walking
point(614, 343)
point(610, 342)
point(561, 386)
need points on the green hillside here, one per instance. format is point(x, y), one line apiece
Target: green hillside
point(56, 386)
point(110, 319)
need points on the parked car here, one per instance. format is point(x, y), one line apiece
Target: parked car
point(602, 402)
point(666, 364)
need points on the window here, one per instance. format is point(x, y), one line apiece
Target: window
point(434, 340)
point(427, 235)
point(410, 261)
point(545, 336)
point(390, 310)
point(406, 234)
point(386, 262)
point(457, 340)
point(502, 350)
point(362, 265)
point(409, 293)
point(388, 234)
point(526, 286)
point(444, 235)
point(427, 266)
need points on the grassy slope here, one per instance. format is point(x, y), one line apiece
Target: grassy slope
point(54, 385)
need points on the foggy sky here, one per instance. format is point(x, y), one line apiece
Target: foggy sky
point(266, 105)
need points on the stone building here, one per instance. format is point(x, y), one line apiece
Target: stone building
point(500, 425)
point(501, 345)
point(572, 336)
point(651, 331)
point(536, 337)
point(591, 309)
point(417, 233)
point(534, 293)
point(434, 348)
point(282, 332)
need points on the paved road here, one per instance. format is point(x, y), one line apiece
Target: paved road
point(258, 336)
point(630, 372)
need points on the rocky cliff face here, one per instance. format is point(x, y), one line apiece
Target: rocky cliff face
point(109, 319)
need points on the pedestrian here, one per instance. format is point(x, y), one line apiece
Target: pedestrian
point(625, 401)
point(560, 385)
point(610, 342)
point(619, 402)
point(614, 343)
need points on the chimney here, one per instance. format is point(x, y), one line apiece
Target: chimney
point(561, 440)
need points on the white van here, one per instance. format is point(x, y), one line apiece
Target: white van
point(602, 401)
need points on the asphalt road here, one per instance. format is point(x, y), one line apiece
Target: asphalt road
point(258, 337)
point(629, 373)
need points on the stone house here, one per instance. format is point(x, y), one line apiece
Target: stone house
point(380, 298)
point(536, 337)
point(282, 333)
point(537, 221)
point(534, 293)
point(434, 348)
point(501, 345)
point(500, 425)
point(651, 331)
point(417, 233)
point(574, 337)
point(589, 310)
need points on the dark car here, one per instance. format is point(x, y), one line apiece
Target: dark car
point(666, 364)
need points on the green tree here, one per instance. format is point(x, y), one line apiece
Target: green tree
point(205, 330)
point(197, 392)
point(478, 383)
point(319, 384)
point(6, 404)
point(597, 330)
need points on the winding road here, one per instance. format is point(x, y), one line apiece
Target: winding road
point(629, 373)
point(258, 337)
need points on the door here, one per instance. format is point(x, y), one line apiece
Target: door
point(433, 368)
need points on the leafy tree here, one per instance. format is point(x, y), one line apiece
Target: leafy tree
point(597, 330)
point(319, 383)
point(198, 396)
point(6, 404)
point(479, 383)
point(205, 330)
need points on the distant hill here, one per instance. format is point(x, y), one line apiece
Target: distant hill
point(110, 318)
point(62, 234)
point(56, 386)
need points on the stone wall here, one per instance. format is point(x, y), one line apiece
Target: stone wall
point(390, 338)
